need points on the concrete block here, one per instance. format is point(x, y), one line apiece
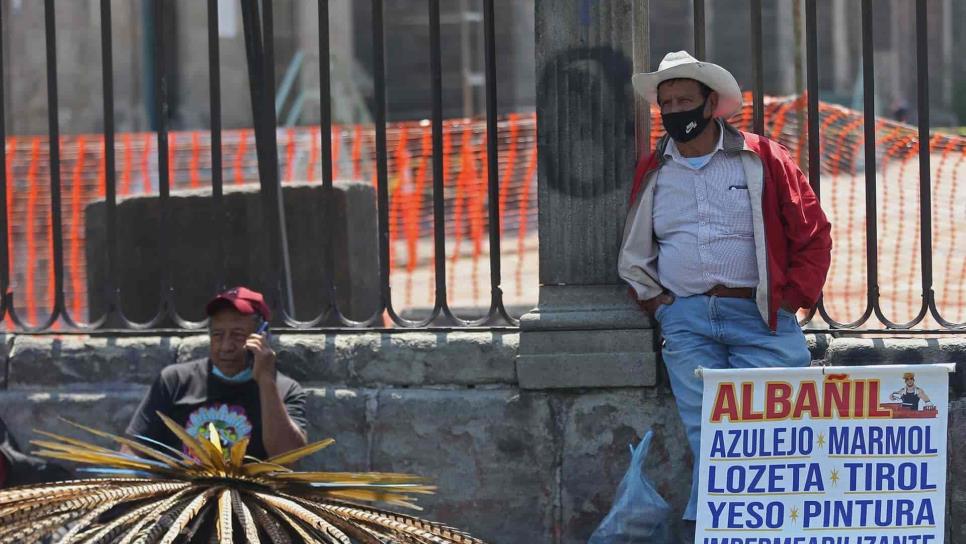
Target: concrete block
point(956, 474)
point(585, 307)
point(895, 351)
point(491, 452)
point(6, 343)
point(399, 358)
point(567, 371)
point(818, 345)
point(307, 358)
point(586, 336)
point(342, 414)
point(431, 358)
point(637, 340)
point(902, 351)
point(193, 347)
point(109, 409)
point(597, 428)
point(53, 361)
point(194, 263)
point(311, 358)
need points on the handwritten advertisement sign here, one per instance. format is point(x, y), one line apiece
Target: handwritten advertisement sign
point(823, 455)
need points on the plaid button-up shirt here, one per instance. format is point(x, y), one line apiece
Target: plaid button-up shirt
point(703, 223)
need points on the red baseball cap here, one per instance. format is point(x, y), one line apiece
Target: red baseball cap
point(242, 299)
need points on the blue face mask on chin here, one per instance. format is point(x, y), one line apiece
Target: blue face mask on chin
point(241, 377)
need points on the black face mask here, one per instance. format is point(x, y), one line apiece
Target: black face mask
point(685, 126)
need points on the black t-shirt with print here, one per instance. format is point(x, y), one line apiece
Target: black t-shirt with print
point(191, 395)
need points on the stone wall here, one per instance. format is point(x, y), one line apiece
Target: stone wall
point(512, 464)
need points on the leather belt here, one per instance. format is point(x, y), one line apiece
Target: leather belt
point(731, 292)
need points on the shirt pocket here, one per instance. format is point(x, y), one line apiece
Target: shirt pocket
point(731, 211)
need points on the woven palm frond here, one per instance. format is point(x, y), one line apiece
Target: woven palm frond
point(212, 494)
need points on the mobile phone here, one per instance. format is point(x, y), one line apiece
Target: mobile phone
point(263, 330)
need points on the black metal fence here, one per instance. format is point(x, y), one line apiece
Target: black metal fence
point(873, 319)
point(257, 22)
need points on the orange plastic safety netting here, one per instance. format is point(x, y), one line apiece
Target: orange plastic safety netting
point(466, 202)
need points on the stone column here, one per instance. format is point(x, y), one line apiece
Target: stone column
point(586, 331)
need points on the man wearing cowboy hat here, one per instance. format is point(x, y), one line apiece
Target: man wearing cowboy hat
point(724, 239)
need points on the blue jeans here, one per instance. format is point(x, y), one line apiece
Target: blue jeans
point(715, 332)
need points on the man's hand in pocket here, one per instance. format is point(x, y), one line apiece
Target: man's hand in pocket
point(650, 305)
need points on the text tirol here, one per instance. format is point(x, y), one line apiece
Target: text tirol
point(836, 397)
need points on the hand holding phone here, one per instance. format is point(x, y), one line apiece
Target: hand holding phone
point(263, 331)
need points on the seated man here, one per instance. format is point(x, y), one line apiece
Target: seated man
point(242, 395)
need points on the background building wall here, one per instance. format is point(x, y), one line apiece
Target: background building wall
point(407, 57)
point(296, 30)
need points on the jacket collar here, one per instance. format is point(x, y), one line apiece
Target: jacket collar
point(733, 139)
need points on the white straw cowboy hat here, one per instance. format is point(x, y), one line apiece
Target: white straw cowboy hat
point(679, 64)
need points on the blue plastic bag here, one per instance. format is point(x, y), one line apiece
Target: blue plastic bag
point(639, 513)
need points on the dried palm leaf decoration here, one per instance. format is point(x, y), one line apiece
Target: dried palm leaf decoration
point(211, 494)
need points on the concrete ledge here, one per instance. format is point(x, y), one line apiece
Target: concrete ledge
point(358, 359)
point(308, 358)
point(429, 358)
point(901, 351)
point(578, 370)
point(70, 360)
point(587, 342)
point(582, 336)
point(582, 319)
point(895, 351)
point(584, 307)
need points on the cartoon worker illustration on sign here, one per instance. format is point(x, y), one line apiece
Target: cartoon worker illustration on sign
point(910, 395)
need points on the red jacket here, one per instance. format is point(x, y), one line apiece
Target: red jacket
point(792, 240)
